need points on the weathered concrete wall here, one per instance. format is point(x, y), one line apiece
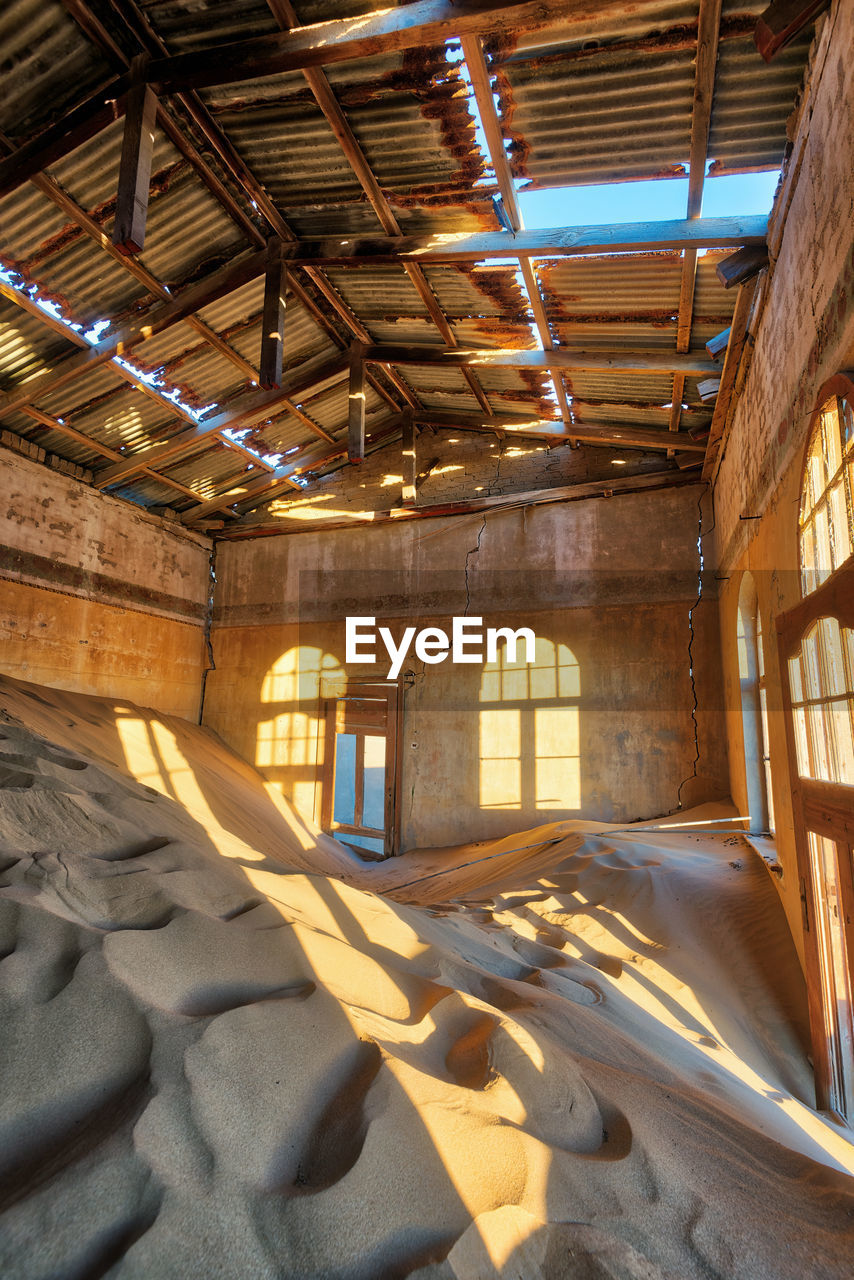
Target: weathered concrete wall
point(607, 586)
point(459, 465)
point(95, 595)
point(805, 335)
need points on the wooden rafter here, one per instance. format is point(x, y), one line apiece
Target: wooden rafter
point(482, 86)
point(708, 34)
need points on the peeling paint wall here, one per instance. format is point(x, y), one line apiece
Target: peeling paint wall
point(805, 335)
point(607, 585)
point(95, 595)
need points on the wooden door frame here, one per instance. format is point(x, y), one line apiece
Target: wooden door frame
point(355, 692)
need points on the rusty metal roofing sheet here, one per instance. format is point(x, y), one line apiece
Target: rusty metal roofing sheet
point(614, 107)
point(46, 65)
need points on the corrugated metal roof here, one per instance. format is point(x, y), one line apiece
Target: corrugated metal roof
point(607, 100)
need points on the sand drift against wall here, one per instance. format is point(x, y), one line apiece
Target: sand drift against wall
point(230, 1050)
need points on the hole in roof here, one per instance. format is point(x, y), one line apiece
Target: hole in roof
point(659, 200)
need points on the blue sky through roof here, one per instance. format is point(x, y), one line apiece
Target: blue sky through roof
point(729, 195)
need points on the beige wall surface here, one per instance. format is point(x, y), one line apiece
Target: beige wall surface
point(601, 727)
point(805, 335)
point(95, 595)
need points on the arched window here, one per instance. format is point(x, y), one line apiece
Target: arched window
point(754, 708)
point(827, 494)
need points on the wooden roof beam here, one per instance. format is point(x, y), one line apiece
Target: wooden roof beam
point(553, 242)
point(694, 364)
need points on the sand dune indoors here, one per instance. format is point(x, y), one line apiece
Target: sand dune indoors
point(231, 1050)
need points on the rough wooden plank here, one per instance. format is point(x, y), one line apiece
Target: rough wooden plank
point(356, 405)
point(408, 458)
point(717, 345)
point(273, 317)
point(135, 170)
point(742, 266)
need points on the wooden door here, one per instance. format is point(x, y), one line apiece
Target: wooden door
point(816, 646)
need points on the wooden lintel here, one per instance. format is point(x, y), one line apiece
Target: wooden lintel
point(778, 25)
point(273, 317)
point(408, 458)
point(135, 169)
point(743, 265)
point(356, 404)
point(691, 363)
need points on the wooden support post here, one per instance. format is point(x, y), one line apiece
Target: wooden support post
point(135, 166)
point(273, 317)
point(409, 467)
point(356, 418)
point(743, 265)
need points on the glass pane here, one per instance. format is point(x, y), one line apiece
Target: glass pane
point(760, 651)
point(830, 428)
point(839, 717)
point(344, 796)
point(812, 667)
point(818, 742)
point(841, 534)
point(815, 470)
point(375, 843)
point(795, 680)
point(801, 748)
point(808, 560)
point(823, 561)
point(832, 661)
point(373, 805)
point(848, 635)
point(847, 425)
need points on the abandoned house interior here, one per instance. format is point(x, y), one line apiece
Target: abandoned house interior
point(427, 639)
